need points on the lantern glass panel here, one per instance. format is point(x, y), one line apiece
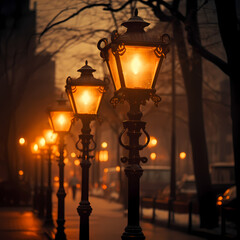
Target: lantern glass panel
point(50, 136)
point(61, 121)
point(113, 69)
point(139, 65)
point(87, 99)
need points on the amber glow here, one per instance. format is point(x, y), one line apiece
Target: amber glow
point(103, 156)
point(20, 172)
point(182, 155)
point(105, 170)
point(66, 160)
point(56, 179)
point(73, 154)
point(220, 198)
point(104, 186)
point(152, 142)
point(139, 69)
point(34, 148)
point(118, 168)
point(76, 162)
point(61, 121)
point(104, 145)
point(153, 156)
point(50, 136)
point(219, 203)
point(87, 99)
point(136, 65)
point(21, 141)
point(41, 142)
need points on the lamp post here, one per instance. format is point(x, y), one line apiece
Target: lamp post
point(41, 145)
point(50, 138)
point(134, 60)
point(35, 152)
point(85, 94)
point(60, 118)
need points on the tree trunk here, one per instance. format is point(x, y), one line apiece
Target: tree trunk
point(193, 84)
point(230, 34)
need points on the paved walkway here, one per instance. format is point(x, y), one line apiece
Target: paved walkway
point(20, 224)
point(107, 221)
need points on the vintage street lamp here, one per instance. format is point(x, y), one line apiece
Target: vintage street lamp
point(60, 118)
point(85, 94)
point(134, 60)
point(41, 145)
point(35, 152)
point(50, 138)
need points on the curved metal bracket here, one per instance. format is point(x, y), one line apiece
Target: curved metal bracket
point(94, 145)
point(76, 145)
point(120, 140)
point(148, 140)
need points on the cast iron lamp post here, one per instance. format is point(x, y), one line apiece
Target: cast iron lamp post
point(50, 138)
point(35, 152)
point(41, 145)
point(134, 60)
point(85, 94)
point(60, 118)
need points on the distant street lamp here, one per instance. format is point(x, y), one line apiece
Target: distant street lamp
point(85, 95)
point(50, 138)
point(35, 152)
point(134, 60)
point(41, 144)
point(60, 118)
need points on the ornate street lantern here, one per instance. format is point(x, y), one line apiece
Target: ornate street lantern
point(60, 117)
point(134, 60)
point(50, 136)
point(85, 94)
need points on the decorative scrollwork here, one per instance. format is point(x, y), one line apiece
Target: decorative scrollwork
point(114, 35)
point(120, 140)
point(102, 89)
point(120, 49)
point(100, 42)
point(114, 101)
point(155, 98)
point(94, 146)
point(159, 51)
point(165, 38)
point(143, 159)
point(124, 159)
point(77, 147)
point(148, 139)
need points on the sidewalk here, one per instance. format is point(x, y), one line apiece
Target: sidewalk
point(20, 223)
point(107, 222)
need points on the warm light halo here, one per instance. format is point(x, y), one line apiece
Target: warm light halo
point(182, 155)
point(34, 148)
point(41, 142)
point(50, 136)
point(104, 145)
point(85, 93)
point(60, 116)
point(22, 141)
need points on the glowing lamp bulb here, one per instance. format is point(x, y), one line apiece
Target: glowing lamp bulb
point(61, 120)
point(136, 65)
point(35, 147)
point(86, 98)
point(21, 140)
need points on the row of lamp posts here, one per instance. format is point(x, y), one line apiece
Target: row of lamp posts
point(134, 60)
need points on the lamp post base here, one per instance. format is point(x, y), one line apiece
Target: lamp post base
point(133, 232)
point(60, 235)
